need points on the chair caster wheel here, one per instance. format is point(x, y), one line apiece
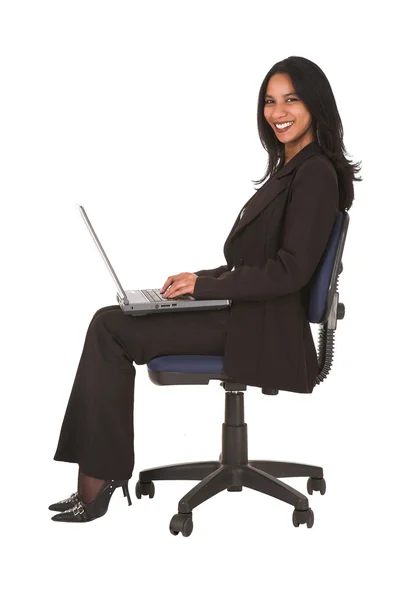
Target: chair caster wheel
point(303, 516)
point(318, 485)
point(181, 523)
point(144, 489)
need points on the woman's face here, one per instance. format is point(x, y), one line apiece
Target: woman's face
point(282, 105)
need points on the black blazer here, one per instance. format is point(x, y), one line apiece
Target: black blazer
point(273, 251)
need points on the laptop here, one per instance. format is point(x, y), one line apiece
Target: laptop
point(144, 302)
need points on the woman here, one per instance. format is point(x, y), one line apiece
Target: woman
point(264, 336)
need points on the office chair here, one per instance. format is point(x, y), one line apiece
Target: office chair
point(233, 470)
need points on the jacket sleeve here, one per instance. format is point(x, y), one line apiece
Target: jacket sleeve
point(212, 272)
point(308, 222)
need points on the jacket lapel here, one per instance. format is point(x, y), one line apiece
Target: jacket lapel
point(272, 188)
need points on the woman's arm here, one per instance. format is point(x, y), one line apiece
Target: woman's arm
point(212, 272)
point(307, 225)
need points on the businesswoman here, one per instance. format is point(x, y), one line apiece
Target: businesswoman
point(271, 253)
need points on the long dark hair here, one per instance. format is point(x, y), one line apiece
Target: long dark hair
point(313, 88)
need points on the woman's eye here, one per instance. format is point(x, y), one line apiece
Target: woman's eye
point(267, 101)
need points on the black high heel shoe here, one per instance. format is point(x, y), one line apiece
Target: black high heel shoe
point(80, 512)
point(65, 504)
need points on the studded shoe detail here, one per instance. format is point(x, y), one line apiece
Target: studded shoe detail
point(65, 504)
point(81, 512)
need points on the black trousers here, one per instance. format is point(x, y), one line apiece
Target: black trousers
point(97, 431)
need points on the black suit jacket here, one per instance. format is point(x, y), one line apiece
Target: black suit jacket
point(271, 254)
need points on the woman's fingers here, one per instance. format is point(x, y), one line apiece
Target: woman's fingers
point(179, 284)
point(176, 289)
point(167, 283)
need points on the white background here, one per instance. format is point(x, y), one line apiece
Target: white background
point(146, 114)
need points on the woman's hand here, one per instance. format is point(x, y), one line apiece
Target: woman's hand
point(180, 284)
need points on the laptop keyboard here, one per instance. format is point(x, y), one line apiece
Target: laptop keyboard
point(154, 296)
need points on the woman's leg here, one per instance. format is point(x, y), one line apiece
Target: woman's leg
point(88, 486)
point(97, 431)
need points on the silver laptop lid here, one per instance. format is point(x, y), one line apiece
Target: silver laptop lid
point(103, 254)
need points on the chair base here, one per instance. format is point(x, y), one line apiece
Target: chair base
point(233, 470)
point(216, 476)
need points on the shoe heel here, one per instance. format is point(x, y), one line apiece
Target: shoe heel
point(126, 493)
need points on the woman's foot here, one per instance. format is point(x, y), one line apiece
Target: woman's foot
point(90, 501)
point(88, 488)
point(88, 511)
point(65, 504)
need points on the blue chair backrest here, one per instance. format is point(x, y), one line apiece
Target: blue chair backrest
point(322, 286)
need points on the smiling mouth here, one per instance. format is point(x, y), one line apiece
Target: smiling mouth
point(283, 128)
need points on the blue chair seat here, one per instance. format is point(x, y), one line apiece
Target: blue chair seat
point(186, 369)
point(192, 363)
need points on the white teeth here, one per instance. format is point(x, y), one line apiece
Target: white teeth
point(283, 125)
